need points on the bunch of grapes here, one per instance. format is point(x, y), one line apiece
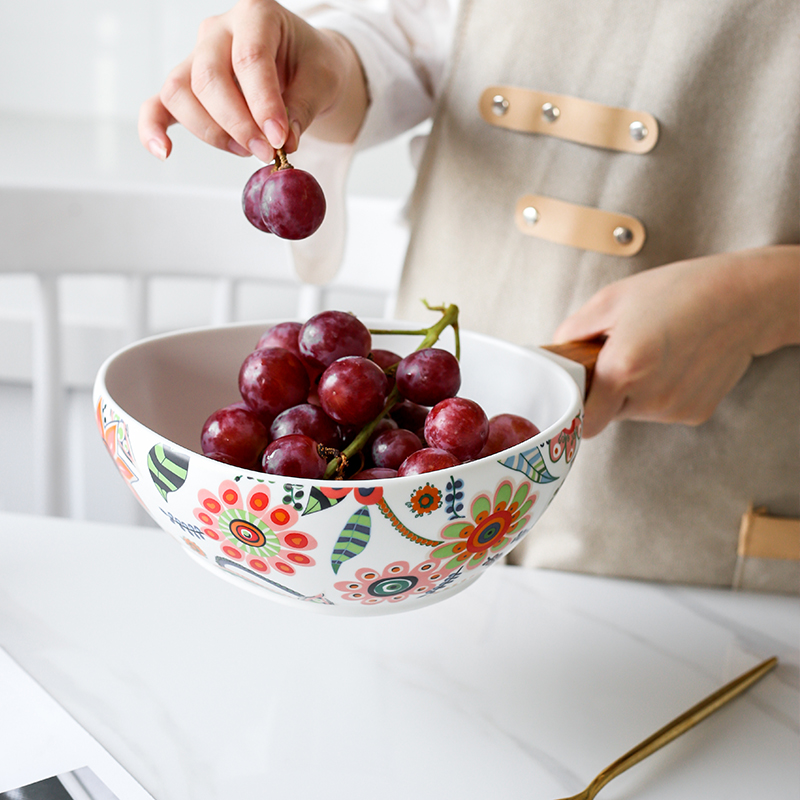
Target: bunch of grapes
point(318, 401)
point(283, 200)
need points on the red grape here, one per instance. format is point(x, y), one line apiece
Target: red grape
point(429, 375)
point(374, 474)
point(392, 447)
point(251, 197)
point(283, 334)
point(294, 456)
point(384, 358)
point(384, 424)
point(429, 459)
point(292, 203)
point(353, 390)
point(309, 420)
point(410, 416)
point(271, 380)
point(459, 426)
point(506, 430)
point(333, 334)
point(235, 435)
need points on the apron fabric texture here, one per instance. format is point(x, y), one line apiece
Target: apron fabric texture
point(651, 501)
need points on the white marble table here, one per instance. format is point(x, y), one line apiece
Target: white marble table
point(523, 686)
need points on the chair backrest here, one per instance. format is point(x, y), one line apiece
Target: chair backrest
point(147, 233)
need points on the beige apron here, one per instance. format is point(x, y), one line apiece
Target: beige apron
point(717, 84)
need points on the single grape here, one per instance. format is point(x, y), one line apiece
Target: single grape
point(235, 435)
point(429, 375)
point(271, 380)
point(386, 360)
point(459, 426)
point(393, 447)
point(292, 203)
point(309, 420)
point(375, 474)
point(294, 456)
point(283, 334)
point(353, 390)
point(429, 459)
point(410, 416)
point(224, 458)
point(333, 334)
point(507, 430)
point(251, 197)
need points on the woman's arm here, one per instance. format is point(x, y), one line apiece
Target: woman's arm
point(259, 76)
point(679, 337)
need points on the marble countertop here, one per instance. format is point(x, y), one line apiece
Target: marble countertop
point(524, 686)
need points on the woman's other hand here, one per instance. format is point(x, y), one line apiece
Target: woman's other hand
point(679, 337)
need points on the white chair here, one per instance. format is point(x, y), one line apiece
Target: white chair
point(146, 233)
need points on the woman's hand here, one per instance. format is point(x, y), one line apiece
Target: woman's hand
point(254, 82)
point(679, 337)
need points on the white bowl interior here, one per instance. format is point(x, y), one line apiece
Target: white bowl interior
point(171, 383)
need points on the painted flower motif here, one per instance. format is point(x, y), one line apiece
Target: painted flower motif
point(365, 495)
point(566, 442)
point(192, 545)
point(397, 582)
point(252, 529)
point(494, 525)
point(425, 500)
point(115, 435)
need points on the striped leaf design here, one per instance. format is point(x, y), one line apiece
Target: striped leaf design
point(353, 538)
point(167, 468)
point(319, 500)
point(530, 463)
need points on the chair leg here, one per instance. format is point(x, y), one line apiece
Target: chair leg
point(48, 435)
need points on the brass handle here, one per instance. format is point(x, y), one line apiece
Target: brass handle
point(584, 352)
point(681, 724)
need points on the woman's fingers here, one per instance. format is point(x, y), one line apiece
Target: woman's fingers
point(257, 44)
point(216, 90)
point(154, 119)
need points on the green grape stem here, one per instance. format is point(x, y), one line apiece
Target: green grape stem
point(431, 336)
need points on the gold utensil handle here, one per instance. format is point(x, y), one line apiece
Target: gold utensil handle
point(682, 723)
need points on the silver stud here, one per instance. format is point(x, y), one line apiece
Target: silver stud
point(550, 112)
point(623, 235)
point(500, 105)
point(638, 131)
point(530, 215)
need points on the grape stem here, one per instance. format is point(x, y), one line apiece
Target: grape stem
point(280, 160)
point(431, 335)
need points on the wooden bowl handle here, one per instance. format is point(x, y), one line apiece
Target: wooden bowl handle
point(584, 351)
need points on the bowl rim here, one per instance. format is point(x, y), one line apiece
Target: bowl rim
point(574, 406)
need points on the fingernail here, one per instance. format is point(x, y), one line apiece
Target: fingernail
point(275, 133)
point(157, 149)
point(296, 132)
point(235, 148)
point(261, 150)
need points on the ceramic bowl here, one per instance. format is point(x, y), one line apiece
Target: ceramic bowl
point(340, 547)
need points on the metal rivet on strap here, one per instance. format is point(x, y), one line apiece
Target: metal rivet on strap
point(550, 112)
point(638, 131)
point(530, 215)
point(499, 105)
point(623, 235)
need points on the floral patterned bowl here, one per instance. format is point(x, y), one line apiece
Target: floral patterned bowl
point(342, 547)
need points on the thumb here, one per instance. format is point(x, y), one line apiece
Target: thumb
point(305, 98)
point(590, 321)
